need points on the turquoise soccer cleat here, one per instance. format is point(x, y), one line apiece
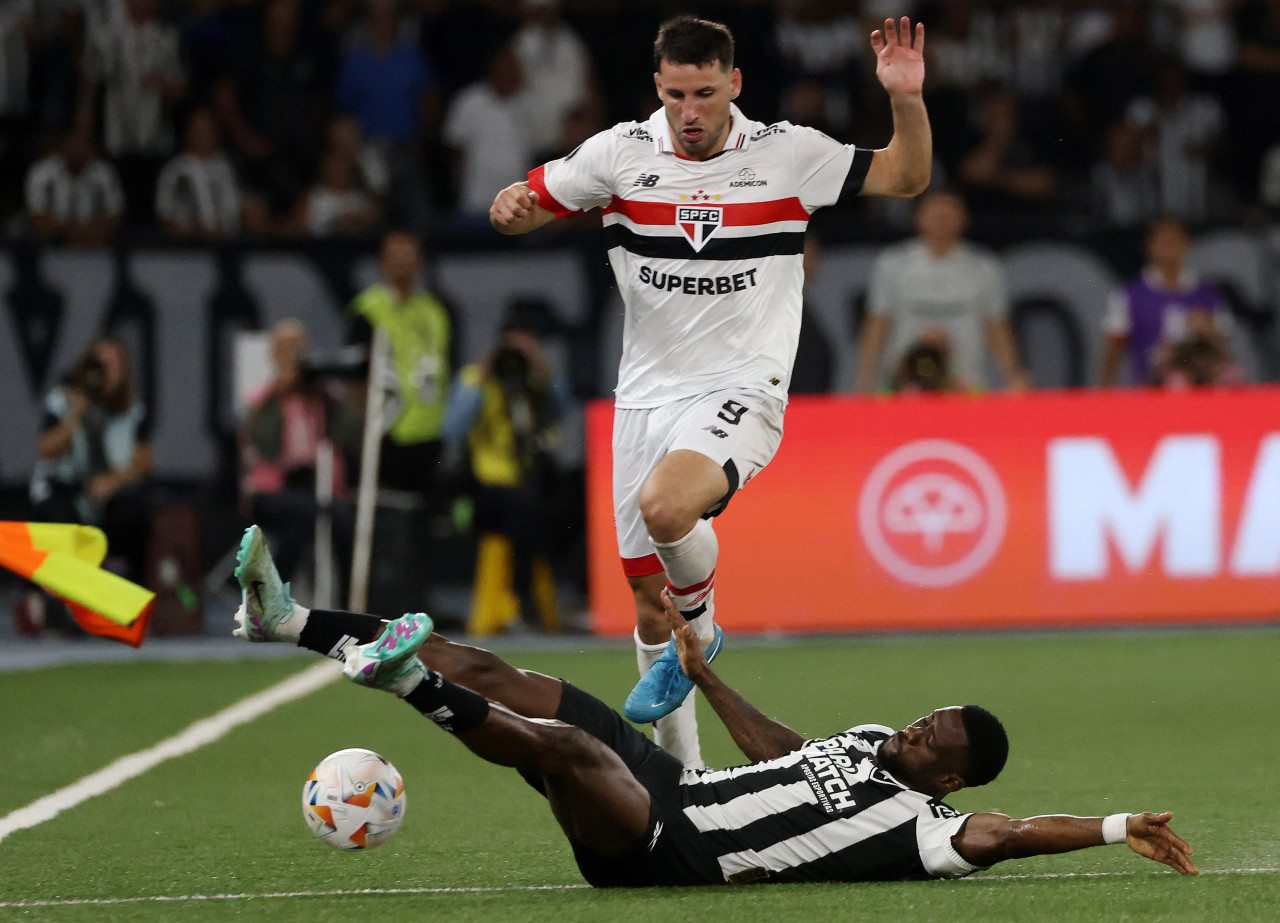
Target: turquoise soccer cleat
point(391, 662)
point(265, 604)
point(664, 687)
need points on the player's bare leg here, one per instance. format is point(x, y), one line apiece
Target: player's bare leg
point(673, 499)
point(269, 613)
point(593, 795)
point(533, 695)
point(680, 489)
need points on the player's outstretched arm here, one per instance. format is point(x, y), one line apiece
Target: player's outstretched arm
point(758, 736)
point(990, 838)
point(515, 210)
point(902, 169)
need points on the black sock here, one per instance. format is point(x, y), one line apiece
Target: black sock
point(455, 708)
point(329, 631)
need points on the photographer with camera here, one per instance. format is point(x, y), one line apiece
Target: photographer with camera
point(301, 407)
point(95, 454)
point(505, 412)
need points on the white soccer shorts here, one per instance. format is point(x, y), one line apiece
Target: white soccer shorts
point(738, 429)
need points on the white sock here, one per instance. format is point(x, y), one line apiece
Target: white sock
point(290, 629)
point(646, 654)
point(690, 563)
point(678, 732)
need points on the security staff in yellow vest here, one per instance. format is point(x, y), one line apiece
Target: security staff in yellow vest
point(419, 331)
point(506, 410)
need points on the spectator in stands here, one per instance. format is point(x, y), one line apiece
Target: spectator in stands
point(1182, 130)
point(487, 127)
point(1199, 360)
point(280, 438)
point(1255, 95)
point(388, 85)
point(211, 44)
point(1123, 192)
point(17, 28)
point(197, 194)
point(939, 282)
point(73, 196)
point(419, 333)
point(819, 45)
point(925, 367)
point(1000, 167)
point(504, 412)
point(135, 61)
point(1101, 84)
point(273, 109)
point(345, 135)
point(1205, 40)
point(1165, 304)
point(813, 369)
point(557, 71)
point(95, 454)
point(337, 205)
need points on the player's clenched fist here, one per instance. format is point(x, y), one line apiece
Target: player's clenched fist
point(515, 210)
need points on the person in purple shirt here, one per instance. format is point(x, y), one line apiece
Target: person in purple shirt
point(1165, 304)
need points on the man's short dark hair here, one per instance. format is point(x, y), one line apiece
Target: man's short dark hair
point(690, 40)
point(988, 744)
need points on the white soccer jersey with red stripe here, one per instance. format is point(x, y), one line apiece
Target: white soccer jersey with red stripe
point(707, 254)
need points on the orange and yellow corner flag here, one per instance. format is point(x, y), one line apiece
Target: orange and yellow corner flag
point(65, 560)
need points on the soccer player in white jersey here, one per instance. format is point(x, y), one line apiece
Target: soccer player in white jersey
point(864, 804)
point(705, 213)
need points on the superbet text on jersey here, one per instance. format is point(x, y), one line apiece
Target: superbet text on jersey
point(708, 254)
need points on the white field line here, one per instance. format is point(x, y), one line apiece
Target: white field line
point(204, 731)
point(378, 892)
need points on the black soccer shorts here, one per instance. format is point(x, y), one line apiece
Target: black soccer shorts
point(672, 851)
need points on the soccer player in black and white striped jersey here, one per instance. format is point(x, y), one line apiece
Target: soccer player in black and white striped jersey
point(865, 804)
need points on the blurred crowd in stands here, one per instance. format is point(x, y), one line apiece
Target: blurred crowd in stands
point(210, 119)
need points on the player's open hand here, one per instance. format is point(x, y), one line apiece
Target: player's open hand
point(512, 207)
point(899, 56)
point(1149, 835)
point(692, 659)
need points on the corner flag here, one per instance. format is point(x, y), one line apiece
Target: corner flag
point(65, 560)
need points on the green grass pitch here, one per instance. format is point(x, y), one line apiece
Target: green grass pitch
point(1098, 722)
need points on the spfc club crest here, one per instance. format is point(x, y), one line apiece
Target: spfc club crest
point(699, 222)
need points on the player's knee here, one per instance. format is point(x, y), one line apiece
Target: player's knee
point(564, 747)
point(665, 518)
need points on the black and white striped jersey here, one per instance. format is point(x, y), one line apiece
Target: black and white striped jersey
point(706, 253)
point(825, 812)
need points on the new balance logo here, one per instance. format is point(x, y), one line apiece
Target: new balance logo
point(716, 431)
point(339, 650)
point(647, 180)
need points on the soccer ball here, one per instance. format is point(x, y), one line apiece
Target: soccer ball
point(353, 800)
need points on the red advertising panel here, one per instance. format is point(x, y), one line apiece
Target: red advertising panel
point(1050, 509)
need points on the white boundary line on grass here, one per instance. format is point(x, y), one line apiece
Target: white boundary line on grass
point(204, 731)
point(358, 892)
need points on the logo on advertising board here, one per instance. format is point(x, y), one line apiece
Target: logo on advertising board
point(933, 513)
point(699, 222)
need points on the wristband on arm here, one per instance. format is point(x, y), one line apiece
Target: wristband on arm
point(1115, 829)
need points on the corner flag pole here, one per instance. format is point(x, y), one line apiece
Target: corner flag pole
point(370, 453)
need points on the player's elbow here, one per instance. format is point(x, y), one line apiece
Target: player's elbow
point(911, 183)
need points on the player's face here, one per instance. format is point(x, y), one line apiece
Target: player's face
point(696, 99)
point(929, 751)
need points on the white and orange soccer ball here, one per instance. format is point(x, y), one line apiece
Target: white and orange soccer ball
point(353, 800)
